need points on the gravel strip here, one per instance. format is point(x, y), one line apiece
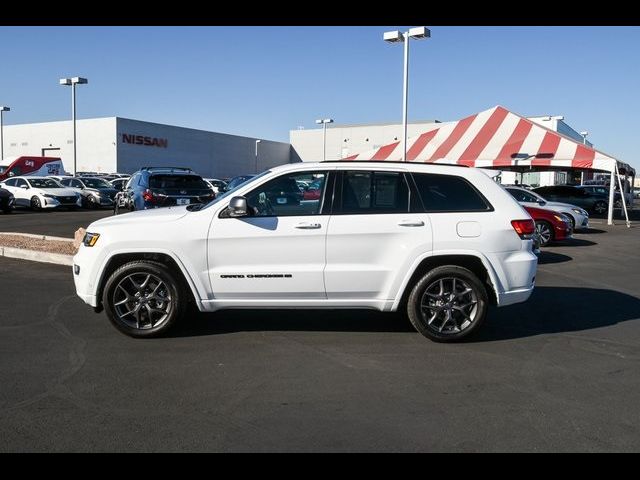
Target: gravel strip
point(51, 246)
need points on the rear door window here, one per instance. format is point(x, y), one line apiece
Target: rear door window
point(373, 192)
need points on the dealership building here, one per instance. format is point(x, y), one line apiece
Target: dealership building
point(123, 145)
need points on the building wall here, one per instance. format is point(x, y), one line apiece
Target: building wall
point(96, 147)
point(345, 140)
point(210, 154)
point(101, 147)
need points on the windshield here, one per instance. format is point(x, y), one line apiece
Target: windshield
point(43, 183)
point(96, 183)
point(3, 169)
point(177, 181)
point(229, 192)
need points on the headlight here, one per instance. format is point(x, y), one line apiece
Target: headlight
point(90, 239)
point(48, 195)
point(579, 211)
point(561, 218)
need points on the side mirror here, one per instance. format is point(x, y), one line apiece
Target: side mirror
point(238, 207)
point(542, 203)
point(26, 187)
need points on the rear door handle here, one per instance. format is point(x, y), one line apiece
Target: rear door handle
point(308, 226)
point(411, 223)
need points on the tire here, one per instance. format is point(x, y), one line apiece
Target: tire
point(600, 207)
point(35, 203)
point(545, 232)
point(573, 222)
point(91, 203)
point(164, 299)
point(452, 318)
point(617, 204)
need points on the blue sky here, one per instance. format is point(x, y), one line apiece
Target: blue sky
point(265, 81)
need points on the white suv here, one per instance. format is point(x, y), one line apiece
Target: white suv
point(442, 242)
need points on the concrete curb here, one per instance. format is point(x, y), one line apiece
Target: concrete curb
point(36, 256)
point(37, 236)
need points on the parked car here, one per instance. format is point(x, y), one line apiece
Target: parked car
point(519, 185)
point(237, 181)
point(155, 187)
point(636, 192)
point(604, 190)
point(592, 202)
point(441, 241)
point(58, 178)
point(41, 193)
point(119, 183)
point(579, 216)
point(216, 185)
point(550, 226)
point(95, 192)
point(6, 200)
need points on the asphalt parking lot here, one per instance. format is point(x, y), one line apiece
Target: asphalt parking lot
point(61, 223)
point(556, 374)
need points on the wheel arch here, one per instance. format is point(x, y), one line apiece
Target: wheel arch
point(471, 261)
point(116, 260)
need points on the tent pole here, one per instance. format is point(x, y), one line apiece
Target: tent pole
point(611, 187)
point(624, 201)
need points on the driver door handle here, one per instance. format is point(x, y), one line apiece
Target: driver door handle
point(307, 225)
point(411, 223)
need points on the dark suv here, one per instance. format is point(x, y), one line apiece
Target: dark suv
point(590, 201)
point(155, 187)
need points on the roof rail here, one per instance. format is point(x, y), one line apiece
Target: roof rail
point(394, 161)
point(186, 169)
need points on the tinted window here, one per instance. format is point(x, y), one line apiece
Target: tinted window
point(374, 192)
point(448, 193)
point(282, 196)
point(96, 183)
point(20, 182)
point(11, 182)
point(44, 183)
point(521, 195)
point(177, 181)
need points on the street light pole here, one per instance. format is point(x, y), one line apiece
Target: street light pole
point(394, 37)
point(257, 142)
point(73, 82)
point(2, 110)
point(324, 135)
point(584, 142)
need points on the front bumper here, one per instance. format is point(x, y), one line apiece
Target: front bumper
point(48, 202)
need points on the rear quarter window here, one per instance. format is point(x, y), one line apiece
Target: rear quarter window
point(449, 193)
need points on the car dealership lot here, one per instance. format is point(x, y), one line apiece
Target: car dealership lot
point(61, 223)
point(557, 373)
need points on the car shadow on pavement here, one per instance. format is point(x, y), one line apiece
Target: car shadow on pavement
point(589, 231)
point(549, 310)
point(230, 321)
point(575, 242)
point(547, 258)
point(558, 310)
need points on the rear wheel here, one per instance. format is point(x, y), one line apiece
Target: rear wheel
point(144, 299)
point(544, 231)
point(35, 203)
point(447, 304)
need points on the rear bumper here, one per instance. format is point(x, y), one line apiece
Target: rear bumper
point(514, 296)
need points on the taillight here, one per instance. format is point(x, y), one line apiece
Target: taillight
point(524, 228)
point(150, 196)
point(147, 195)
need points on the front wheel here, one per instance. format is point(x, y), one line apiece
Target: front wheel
point(447, 304)
point(144, 299)
point(544, 231)
point(600, 207)
point(35, 203)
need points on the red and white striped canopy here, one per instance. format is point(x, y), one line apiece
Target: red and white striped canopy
point(496, 138)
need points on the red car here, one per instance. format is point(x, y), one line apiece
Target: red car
point(550, 226)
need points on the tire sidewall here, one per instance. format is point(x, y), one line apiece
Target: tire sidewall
point(415, 297)
point(170, 279)
point(34, 205)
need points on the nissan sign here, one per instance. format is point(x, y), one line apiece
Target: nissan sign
point(142, 140)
